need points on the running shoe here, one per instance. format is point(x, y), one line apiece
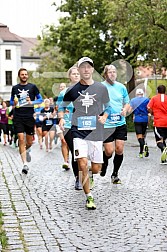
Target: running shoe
point(91, 182)
point(163, 162)
point(90, 205)
point(164, 155)
point(28, 156)
point(115, 180)
point(55, 140)
point(25, 169)
point(140, 155)
point(146, 151)
point(66, 166)
point(78, 185)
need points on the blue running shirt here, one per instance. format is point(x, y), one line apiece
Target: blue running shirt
point(118, 98)
point(139, 106)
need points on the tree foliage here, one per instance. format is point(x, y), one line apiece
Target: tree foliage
point(107, 30)
point(51, 71)
point(139, 27)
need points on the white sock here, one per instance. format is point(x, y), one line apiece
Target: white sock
point(89, 194)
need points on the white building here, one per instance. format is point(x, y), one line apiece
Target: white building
point(15, 52)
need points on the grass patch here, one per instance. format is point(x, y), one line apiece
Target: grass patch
point(3, 237)
point(152, 86)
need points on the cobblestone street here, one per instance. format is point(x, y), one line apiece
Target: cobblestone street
point(43, 211)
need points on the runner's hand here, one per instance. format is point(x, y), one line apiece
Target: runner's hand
point(28, 100)
point(61, 124)
point(102, 119)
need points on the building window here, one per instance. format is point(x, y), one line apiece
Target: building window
point(8, 54)
point(8, 78)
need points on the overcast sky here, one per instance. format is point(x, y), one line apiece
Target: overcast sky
point(27, 17)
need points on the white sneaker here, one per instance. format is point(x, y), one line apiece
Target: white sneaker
point(25, 169)
point(66, 166)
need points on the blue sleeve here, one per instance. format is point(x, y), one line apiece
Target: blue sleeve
point(11, 101)
point(38, 100)
point(12, 98)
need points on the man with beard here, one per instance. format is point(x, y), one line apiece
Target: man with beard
point(23, 96)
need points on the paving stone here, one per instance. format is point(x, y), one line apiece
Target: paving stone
point(51, 215)
point(37, 249)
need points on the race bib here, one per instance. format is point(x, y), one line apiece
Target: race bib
point(87, 123)
point(114, 118)
point(49, 122)
point(23, 100)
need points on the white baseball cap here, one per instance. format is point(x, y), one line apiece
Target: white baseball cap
point(139, 91)
point(85, 59)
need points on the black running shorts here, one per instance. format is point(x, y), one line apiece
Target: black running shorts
point(140, 128)
point(24, 125)
point(117, 133)
point(160, 133)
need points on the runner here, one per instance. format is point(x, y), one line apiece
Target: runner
point(15, 137)
point(88, 99)
point(48, 130)
point(158, 108)
point(38, 123)
point(4, 122)
point(23, 96)
point(64, 146)
point(138, 106)
point(115, 132)
point(74, 77)
point(10, 125)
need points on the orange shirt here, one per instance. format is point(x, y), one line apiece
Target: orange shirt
point(158, 104)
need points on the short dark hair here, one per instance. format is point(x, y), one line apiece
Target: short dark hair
point(21, 69)
point(161, 89)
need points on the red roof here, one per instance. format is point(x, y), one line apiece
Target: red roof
point(27, 44)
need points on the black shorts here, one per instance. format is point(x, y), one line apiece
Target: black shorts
point(117, 133)
point(48, 127)
point(160, 133)
point(11, 129)
point(4, 127)
point(38, 124)
point(24, 125)
point(140, 127)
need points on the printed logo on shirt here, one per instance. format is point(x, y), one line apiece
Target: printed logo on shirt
point(87, 101)
point(22, 96)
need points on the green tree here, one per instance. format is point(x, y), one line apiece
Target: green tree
point(139, 28)
point(107, 30)
point(51, 71)
point(83, 33)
